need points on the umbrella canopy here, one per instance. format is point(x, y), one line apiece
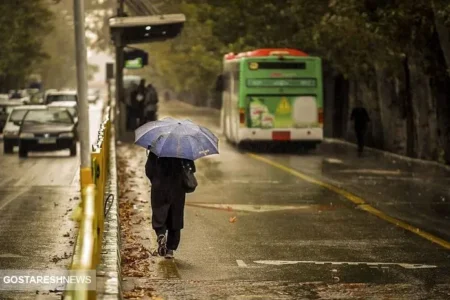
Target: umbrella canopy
point(177, 138)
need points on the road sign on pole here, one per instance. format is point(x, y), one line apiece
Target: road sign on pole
point(83, 105)
point(135, 58)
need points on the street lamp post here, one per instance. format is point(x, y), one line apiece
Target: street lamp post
point(83, 105)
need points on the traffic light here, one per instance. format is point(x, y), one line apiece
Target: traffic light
point(135, 30)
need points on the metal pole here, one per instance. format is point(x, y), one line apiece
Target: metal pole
point(83, 105)
point(119, 76)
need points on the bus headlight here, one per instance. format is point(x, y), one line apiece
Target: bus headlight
point(66, 135)
point(10, 133)
point(26, 135)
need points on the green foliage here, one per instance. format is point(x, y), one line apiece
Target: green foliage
point(354, 36)
point(24, 24)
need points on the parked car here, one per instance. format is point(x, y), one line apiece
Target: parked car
point(37, 98)
point(71, 106)
point(12, 126)
point(5, 109)
point(62, 95)
point(47, 130)
point(21, 96)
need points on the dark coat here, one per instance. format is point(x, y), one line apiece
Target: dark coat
point(361, 118)
point(167, 192)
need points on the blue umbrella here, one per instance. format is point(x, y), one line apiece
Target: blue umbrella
point(177, 138)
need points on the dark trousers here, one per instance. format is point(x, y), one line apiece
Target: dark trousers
point(360, 133)
point(173, 237)
point(132, 116)
point(168, 213)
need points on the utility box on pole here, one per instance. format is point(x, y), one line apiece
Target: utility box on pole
point(109, 71)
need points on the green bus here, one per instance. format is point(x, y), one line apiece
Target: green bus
point(272, 95)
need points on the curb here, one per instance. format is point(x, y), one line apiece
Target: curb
point(109, 279)
point(429, 163)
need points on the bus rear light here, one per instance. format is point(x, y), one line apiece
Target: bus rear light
point(320, 116)
point(242, 116)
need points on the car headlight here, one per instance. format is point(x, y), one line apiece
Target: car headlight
point(66, 135)
point(10, 133)
point(26, 135)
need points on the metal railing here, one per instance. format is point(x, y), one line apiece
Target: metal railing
point(90, 214)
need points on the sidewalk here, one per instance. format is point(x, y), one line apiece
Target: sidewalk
point(138, 242)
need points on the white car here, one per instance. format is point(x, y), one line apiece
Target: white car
point(71, 106)
point(12, 126)
point(93, 95)
point(58, 96)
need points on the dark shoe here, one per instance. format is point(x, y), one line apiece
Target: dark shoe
point(162, 249)
point(169, 254)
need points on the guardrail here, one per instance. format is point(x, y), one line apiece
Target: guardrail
point(90, 214)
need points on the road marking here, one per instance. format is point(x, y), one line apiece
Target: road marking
point(13, 197)
point(356, 263)
point(256, 208)
point(241, 263)
point(356, 200)
point(333, 161)
point(370, 171)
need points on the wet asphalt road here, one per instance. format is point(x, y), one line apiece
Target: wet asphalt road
point(37, 195)
point(255, 231)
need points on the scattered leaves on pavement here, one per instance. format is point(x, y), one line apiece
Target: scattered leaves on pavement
point(137, 260)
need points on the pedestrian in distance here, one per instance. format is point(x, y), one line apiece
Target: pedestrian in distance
point(137, 98)
point(361, 119)
point(150, 105)
point(131, 94)
point(168, 194)
point(166, 96)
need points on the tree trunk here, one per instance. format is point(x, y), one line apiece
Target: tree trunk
point(367, 94)
point(328, 104)
point(424, 111)
point(341, 106)
point(391, 114)
point(443, 33)
point(409, 114)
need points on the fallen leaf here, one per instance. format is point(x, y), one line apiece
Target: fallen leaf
point(233, 219)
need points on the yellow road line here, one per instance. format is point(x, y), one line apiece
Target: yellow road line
point(356, 200)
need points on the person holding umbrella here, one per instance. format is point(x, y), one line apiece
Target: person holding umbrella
point(170, 167)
